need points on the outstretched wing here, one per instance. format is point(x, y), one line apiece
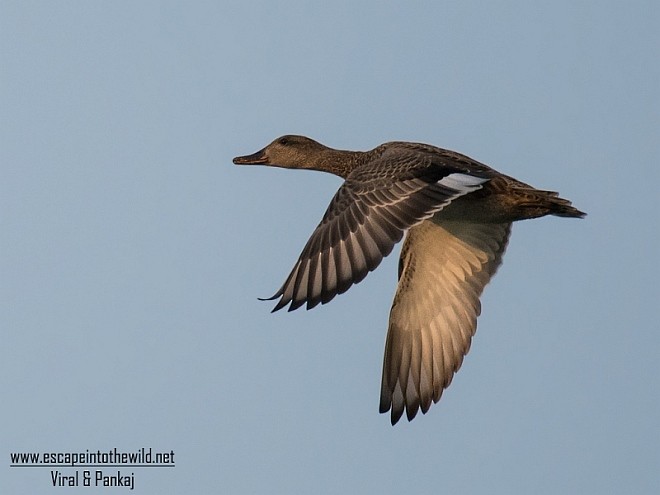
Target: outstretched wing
point(443, 269)
point(365, 219)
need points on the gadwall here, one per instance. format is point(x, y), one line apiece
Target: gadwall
point(457, 213)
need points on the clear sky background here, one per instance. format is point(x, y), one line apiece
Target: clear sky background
point(133, 251)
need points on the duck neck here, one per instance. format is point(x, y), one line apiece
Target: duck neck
point(341, 162)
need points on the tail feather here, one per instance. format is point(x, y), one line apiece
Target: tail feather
point(536, 203)
point(562, 207)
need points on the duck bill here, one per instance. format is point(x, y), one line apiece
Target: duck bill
point(254, 159)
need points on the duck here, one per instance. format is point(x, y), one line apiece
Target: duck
point(456, 215)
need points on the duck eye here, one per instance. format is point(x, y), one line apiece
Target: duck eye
point(283, 141)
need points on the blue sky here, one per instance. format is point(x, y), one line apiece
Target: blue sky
point(133, 251)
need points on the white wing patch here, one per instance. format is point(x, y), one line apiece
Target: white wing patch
point(462, 182)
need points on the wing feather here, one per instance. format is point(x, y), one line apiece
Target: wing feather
point(444, 268)
point(365, 219)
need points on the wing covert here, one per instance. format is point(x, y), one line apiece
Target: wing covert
point(365, 219)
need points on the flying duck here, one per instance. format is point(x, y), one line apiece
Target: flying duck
point(456, 214)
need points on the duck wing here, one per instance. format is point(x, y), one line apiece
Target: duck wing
point(367, 216)
point(443, 269)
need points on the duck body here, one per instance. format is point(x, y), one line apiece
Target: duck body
point(456, 214)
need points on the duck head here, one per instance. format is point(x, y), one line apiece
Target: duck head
point(288, 151)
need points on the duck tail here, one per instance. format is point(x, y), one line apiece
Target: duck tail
point(560, 207)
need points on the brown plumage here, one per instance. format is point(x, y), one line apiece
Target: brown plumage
point(457, 213)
